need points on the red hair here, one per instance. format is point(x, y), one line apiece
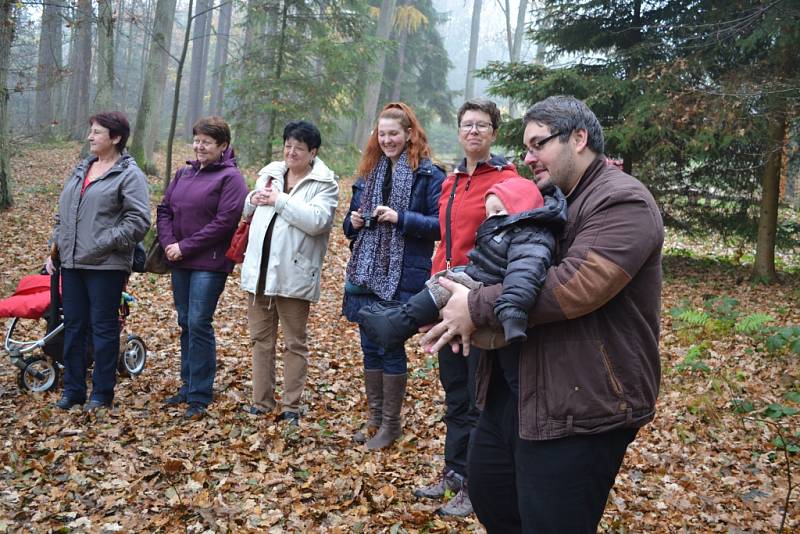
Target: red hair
point(417, 142)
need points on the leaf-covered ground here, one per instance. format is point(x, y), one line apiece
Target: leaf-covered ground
point(700, 467)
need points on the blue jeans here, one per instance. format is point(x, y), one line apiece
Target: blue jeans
point(393, 362)
point(91, 300)
point(196, 294)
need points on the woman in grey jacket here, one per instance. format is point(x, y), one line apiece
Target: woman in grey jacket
point(103, 211)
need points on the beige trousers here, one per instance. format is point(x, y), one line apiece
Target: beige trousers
point(263, 314)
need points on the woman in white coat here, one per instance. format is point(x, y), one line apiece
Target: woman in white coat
point(292, 207)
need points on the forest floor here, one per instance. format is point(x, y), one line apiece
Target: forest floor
point(710, 462)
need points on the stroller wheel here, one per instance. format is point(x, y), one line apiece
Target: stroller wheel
point(133, 358)
point(38, 375)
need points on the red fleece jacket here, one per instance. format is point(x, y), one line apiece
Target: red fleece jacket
point(468, 210)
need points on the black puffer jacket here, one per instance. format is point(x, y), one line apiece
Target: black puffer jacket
point(516, 250)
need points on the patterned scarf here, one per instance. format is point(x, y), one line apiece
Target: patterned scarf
point(377, 259)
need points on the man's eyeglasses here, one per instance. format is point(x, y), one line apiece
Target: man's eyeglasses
point(482, 127)
point(538, 146)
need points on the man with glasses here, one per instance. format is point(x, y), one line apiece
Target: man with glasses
point(544, 455)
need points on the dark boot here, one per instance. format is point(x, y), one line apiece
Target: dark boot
point(394, 392)
point(389, 323)
point(373, 384)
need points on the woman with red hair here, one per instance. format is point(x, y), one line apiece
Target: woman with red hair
point(392, 224)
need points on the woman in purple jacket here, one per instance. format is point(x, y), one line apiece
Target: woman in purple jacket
point(196, 220)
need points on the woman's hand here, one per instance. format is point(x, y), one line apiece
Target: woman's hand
point(173, 252)
point(356, 220)
point(385, 214)
point(48, 265)
point(456, 321)
point(265, 197)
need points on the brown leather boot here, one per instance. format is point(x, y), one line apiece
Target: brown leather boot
point(394, 391)
point(373, 385)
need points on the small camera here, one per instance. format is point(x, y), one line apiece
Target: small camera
point(369, 221)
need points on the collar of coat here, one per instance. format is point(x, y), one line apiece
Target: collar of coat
point(277, 169)
point(496, 161)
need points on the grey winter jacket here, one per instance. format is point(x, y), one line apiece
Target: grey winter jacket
point(100, 230)
point(516, 250)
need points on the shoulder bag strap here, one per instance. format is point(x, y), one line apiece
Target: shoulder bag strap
point(448, 240)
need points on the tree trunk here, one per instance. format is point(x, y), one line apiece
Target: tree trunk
point(506, 8)
point(7, 21)
point(177, 97)
point(401, 63)
point(47, 73)
point(128, 54)
point(147, 116)
point(373, 89)
point(105, 56)
point(80, 65)
point(469, 88)
point(764, 264)
point(519, 31)
point(197, 75)
point(516, 49)
point(221, 58)
point(279, 59)
point(793, 164)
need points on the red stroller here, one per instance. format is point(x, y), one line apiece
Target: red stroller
point(37, 297)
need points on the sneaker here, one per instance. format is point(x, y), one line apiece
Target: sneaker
point(174, 400)
point(195, 411)
point(450, 480)
point(292, 418)
point(458, 506)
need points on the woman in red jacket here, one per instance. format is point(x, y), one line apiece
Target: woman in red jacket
point(461, 211)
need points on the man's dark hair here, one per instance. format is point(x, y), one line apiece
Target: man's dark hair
point(215, 127)
point(565, 114)
point(303, 131)
point(117, 124)
point(480, 104)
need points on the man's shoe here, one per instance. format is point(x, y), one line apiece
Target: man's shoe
point(95, 405)
point(252, 409)
point(65, 403)
point(450, 480)
point(195, 411)
point(458, 506)
point(174, 400)
point(292, 418)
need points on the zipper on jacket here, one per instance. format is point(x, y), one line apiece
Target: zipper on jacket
point(614, 381)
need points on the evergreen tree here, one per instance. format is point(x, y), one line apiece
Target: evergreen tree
point(310, 59)
point(691, 93)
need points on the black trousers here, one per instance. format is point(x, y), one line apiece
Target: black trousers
point(457, 375)
point(554, 486)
